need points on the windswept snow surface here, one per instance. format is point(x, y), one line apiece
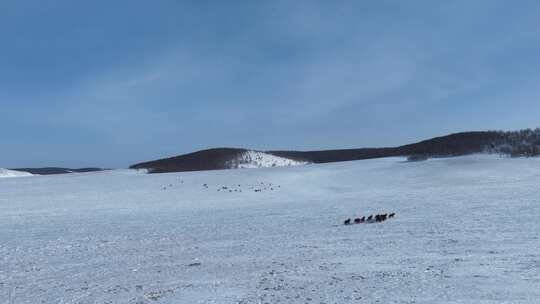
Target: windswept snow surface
point(12, 173)
point(257, 159)
point(466, 231)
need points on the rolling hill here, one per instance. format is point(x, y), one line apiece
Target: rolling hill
point(56, 170)
point(520, 143)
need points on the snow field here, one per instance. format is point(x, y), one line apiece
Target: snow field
point(466, 231)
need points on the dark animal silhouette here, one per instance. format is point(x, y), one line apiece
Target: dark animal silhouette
point(381, 217)
point(370, 219)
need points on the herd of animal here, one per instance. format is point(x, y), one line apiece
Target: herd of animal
point(370, 219)
point(258, 187)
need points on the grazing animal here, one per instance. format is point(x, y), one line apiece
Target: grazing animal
point(370, 218)
point(391, 215)
point(357, 220)
point(347, 221)
point(380, 217)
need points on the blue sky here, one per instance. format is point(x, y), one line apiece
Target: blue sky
point(110, 83)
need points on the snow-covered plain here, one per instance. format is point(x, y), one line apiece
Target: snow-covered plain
point(466, 231)
point(12, 173)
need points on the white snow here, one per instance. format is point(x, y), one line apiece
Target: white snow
point(13, 173)
point(466, 230)
point(258, 159)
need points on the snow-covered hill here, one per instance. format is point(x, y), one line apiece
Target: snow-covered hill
point(257, 159)
point(466, 231)
point(12, 173)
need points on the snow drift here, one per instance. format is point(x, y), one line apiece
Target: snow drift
point(13, 173)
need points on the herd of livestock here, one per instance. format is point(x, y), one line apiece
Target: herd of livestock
point(370, 219)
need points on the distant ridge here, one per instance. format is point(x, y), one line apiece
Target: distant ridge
point(508, 143)
point(217, 159)
point(450, 145)
point(515, 143)
point(56, 170)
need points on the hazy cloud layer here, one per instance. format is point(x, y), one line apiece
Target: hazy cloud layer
point(110, 83)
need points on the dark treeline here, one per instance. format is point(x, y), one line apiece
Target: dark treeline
point(57, 170)
point(523, 143)
point(513, 143)
point(211, 159)
point(451, 145)
point(517, 143)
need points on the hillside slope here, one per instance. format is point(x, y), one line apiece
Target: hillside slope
point(212, 159)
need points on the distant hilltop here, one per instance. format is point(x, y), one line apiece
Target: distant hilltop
point(513, 143)
point(56, 170)
point(508, 143)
